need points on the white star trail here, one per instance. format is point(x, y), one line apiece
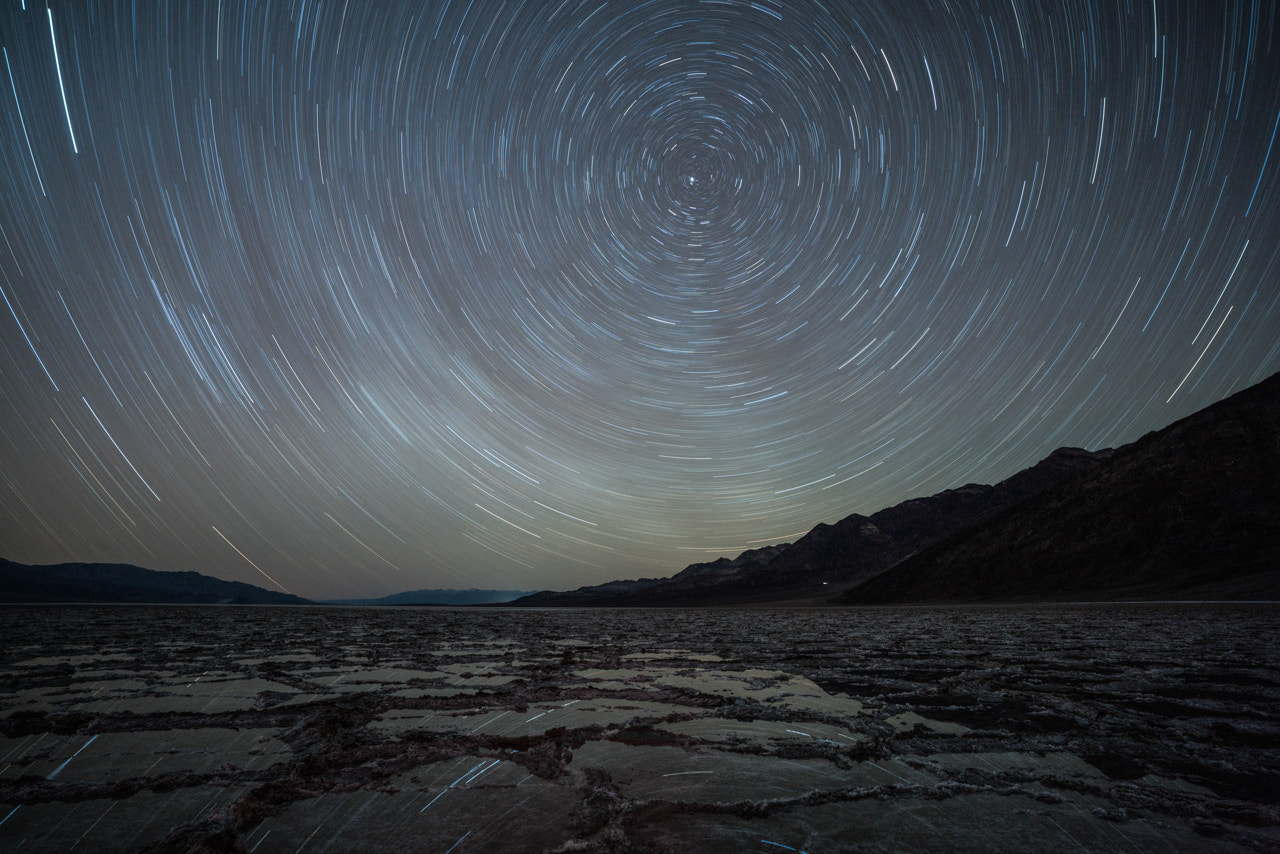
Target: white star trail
point(525, 295)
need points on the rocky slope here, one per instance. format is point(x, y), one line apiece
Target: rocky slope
point(1190, 511)
point(831, 557)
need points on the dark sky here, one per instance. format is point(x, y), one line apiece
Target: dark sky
point(353, 297)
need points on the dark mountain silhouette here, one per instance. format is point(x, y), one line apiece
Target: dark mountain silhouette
point(437, 597)
point(1188, 512)
point(122, 582)
point(831, 557)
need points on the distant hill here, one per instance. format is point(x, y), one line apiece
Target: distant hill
point(438, 597)
point(124, 583)
point(831, 558)
point(1188, 512)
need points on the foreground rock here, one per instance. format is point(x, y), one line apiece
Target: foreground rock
point(1188, 512)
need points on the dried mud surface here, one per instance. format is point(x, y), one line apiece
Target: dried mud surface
point(263, 729)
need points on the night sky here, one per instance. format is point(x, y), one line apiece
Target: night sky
point(354, 297)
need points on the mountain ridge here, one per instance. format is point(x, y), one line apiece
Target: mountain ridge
point(842, 553)
point(1188, 511)
point(123, 583)
point(1191, 510)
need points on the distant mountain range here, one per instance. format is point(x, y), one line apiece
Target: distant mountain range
point(1190, 511)
point(437, 597)
point(125, 583)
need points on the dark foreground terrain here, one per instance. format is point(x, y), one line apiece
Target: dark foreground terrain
point(1099, 728)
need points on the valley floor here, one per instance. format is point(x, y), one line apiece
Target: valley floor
point(1103, 728)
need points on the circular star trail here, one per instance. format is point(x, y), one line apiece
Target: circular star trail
point(351, 298)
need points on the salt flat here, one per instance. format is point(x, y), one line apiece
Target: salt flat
point(1137, 727)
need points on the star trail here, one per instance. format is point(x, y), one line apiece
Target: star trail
point(348, 298)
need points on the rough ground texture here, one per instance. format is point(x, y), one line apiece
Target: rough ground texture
point(1107, 728)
